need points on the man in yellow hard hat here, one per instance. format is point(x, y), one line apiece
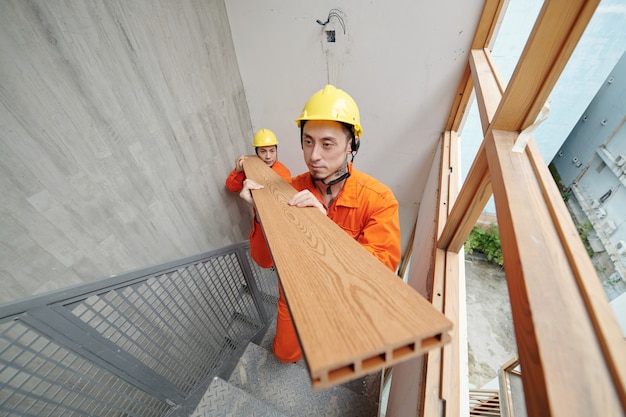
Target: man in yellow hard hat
point(266, 147)
point(366, 209)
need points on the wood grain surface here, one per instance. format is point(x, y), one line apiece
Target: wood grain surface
point(571, 357)
point(352, 314)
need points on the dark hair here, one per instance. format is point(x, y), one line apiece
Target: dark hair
point(256, 149)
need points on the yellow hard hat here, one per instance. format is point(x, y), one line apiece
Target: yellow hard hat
point(331, 103)
point(264, 137)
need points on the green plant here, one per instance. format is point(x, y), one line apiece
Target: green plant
point(583, 231)
point(565, 191)
point(486, 240)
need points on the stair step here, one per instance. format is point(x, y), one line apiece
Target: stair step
point(225, 400)
point(287, 388)
point(268, 338)
point(368, 385)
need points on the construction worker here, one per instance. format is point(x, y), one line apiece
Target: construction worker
point(330, 133)
point(266, 147)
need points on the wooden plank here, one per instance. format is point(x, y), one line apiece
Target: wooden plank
point(489, 86)
point(476, 190)
point(406, 394)
point(469, 204)
point(431, 404)
point(451, 385)
point(564, 370)
point(352, 314)
point(454, 381)
point(444, 182)
point(558, 28)
point(442, 380)
point(607, 329)
point(482, 39)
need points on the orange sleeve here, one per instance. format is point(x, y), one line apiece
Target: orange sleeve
point(282, 170)
point(234, 182)
point(368, 211)
point(381, 234)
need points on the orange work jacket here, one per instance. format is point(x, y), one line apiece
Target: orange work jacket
point(367, 210)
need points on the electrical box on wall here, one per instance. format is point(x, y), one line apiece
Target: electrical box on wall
point(334, 21)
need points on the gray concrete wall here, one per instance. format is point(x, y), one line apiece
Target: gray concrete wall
point(119, 121)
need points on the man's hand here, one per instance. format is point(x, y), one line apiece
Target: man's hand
point(305, 198)
point(246, 193)
point(239, 163)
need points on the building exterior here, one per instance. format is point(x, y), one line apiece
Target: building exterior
point(591, 164)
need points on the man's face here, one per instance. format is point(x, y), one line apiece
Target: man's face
point(326, 145)
point(268, 154)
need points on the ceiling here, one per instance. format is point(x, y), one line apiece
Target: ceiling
point(402, 61)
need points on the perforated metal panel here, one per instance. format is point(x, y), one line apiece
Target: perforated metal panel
point(134, 345)
point(41, 378)
point(267, 283)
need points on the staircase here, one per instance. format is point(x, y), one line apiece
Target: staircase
point(187, 338)
point(485, 403)
point(260, 385)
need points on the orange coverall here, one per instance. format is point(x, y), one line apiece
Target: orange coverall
point(258, 246)
point(368, 211)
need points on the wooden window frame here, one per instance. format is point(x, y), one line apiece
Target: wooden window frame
point(571, 349)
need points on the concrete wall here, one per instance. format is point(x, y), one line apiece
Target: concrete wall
point(119, 121)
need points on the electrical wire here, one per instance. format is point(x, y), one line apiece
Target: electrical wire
point(336, 13)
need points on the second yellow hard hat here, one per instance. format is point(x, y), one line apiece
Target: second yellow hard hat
point(264, 137)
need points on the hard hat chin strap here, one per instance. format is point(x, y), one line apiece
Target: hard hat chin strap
point(352, 155)
point(329, 184)
point(335, 181)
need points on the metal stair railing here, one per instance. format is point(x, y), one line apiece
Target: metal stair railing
point(138, 344)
